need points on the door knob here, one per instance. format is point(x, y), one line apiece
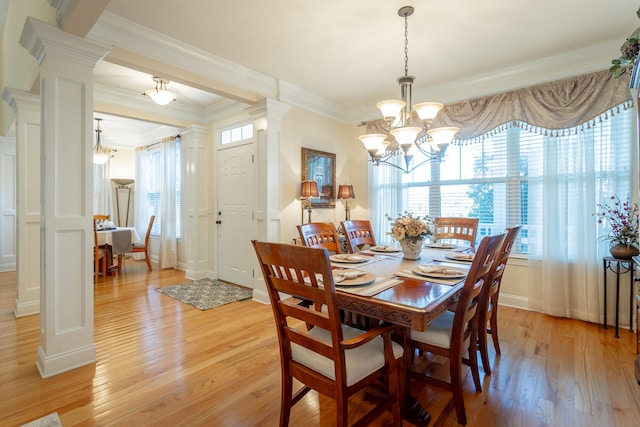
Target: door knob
point(219, 221)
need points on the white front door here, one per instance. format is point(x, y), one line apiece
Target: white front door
point(235, 224)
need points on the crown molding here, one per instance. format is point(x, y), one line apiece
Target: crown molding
point(127, 35)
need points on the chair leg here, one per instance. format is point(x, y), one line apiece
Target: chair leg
point(146, 258)
point(483, 348)
point(494, 329)
point(286, 400)
point(455, 371)
point(120, 259)
point(473, 361)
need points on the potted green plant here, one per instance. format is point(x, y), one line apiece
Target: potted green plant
point(622, 218)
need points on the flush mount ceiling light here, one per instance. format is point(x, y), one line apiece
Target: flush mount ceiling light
point(100, 154)
point(160, 94)
point(406, 135)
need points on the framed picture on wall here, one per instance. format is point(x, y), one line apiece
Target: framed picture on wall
point(320, 167)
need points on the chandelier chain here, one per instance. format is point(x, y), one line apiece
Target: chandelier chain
point(406, 46)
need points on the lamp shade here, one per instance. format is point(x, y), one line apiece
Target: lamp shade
point(346, 192)
point(308, 189)
point(442, 136)
point(428, 110)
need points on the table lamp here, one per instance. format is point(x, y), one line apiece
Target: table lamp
point(345, 192)
point(308, 189)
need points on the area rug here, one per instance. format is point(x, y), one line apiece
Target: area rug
point(51, 420)
point(206, 293)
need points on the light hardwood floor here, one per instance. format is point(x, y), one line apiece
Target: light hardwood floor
point(164, 363)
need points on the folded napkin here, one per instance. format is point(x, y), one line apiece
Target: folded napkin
point(410, 275)
point(464, 256)
point(339, 276)
point(349, 257)
point(438, 269)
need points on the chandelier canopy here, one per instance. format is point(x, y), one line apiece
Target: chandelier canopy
point(160, 94)
point(100, 154)
point(408, 127)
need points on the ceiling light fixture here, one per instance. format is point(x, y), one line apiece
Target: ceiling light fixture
point(100, 154)
point(160, 94)
point(401, 123)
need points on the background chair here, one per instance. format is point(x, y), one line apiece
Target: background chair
point(489, 302)
point(320, 235)
point(464, 229)
point(334, 359)
point(358, 233)
point(99, 255)
point(144, 248)
point(447, 335)
point(101, 217)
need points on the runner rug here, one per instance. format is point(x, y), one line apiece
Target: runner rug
point(51, 420)
point(206, 293)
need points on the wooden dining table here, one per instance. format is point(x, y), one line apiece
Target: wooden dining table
point(411, 303)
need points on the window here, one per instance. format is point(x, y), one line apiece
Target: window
point(236, 134)
point(497, 179)
point(154, 170)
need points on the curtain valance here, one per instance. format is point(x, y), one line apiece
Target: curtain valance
point(548, 108)
point(555, 105)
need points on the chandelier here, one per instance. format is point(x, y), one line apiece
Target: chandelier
point(160, 94)
point(100, 154)
point(400, 120)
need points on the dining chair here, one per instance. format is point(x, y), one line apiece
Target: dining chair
point(320, 235)
point(358, 232)
point(334, 359)
point(453, 228)
point(101, 217)
point(488, 315)
point(447, 335)
point(99, 255)
point(143, 247)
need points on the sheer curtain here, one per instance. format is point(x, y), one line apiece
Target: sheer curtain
point(102, 192)
point(141, 213)
point(168, 241)
point(576, 172)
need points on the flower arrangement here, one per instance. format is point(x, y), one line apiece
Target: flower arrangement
point(410, 227)
point(622, 217)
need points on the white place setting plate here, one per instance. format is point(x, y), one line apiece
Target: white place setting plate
point(385, 248)
point(349, 258)
point(460, 256)
point(434, 270)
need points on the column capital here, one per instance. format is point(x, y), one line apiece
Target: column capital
point(268, 108)
point(41, 39)
point(21, 100)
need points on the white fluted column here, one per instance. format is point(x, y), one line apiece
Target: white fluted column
point(27, 109)
point(197, 202)
point(66, 298)
point(267, 122)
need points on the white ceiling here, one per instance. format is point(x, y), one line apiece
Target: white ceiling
point(351, 52)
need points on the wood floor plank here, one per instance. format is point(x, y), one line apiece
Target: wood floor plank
point(164, 363)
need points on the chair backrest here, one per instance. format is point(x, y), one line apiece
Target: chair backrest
point(320, 235)
point(304, 273)
point(501, 263)
point(480, 275)
point(358, 233)
point(146, 237)
point(455, 228)
point(101, 217)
